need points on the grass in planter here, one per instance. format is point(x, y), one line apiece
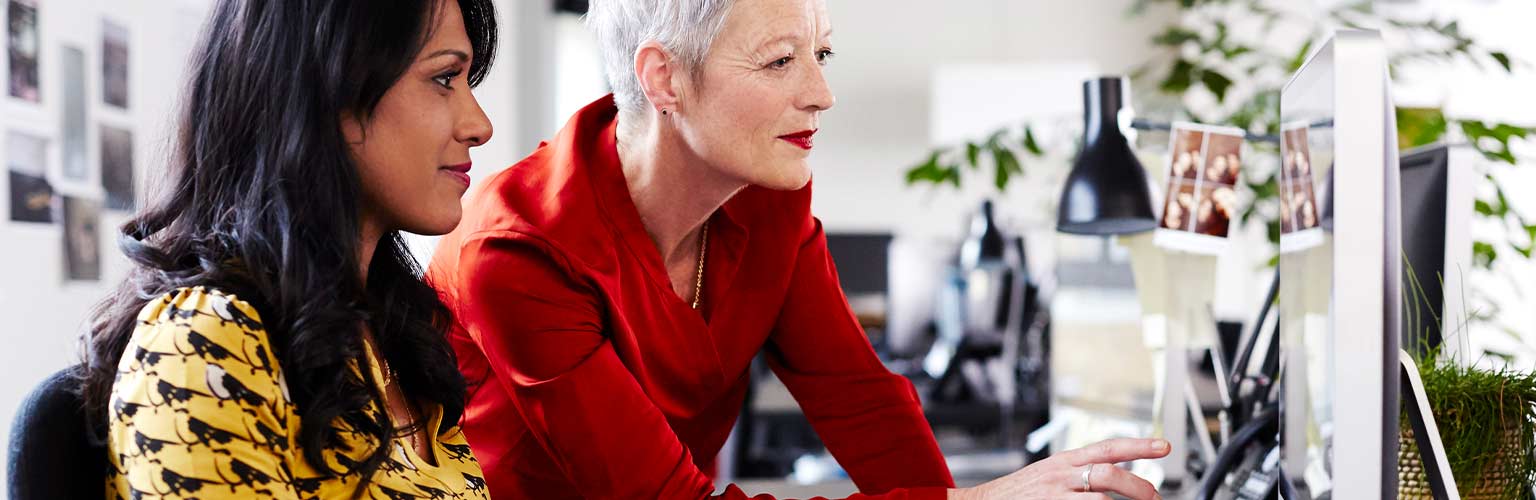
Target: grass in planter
point(1473, 407)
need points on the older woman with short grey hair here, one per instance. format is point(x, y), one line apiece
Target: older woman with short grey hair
point(614, 287)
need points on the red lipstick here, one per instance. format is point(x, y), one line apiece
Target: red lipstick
point(801, 139)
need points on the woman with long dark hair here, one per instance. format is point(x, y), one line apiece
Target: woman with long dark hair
point(275, 338)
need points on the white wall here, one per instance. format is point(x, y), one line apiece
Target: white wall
point(44, 314)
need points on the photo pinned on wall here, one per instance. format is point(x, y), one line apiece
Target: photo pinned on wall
point(114, 64)
point(117, 167)
point(76, 166)
point(26, 161)
point(1300, 212)
point(82, 239)
point(1200, 199)
point(23, 49)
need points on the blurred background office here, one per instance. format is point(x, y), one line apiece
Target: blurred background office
point(92, 85)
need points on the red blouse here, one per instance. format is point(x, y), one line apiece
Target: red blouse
point(590, 378)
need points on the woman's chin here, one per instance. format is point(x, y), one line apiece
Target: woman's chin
point(788, 178)
point(441, 224)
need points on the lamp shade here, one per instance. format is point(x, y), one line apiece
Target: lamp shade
point(1107, 192)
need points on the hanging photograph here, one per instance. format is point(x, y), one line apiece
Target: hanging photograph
point(114, 64)
point(117, 167)
point(82, 242)
point(1201, 196)
point(23, 43)
point(27, 162)
point(76, 166)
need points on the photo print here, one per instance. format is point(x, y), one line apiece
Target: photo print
point(27, 164)
point(1205, 163)
point(114, 64)
point(76, 166)
point(23, 44)
point(1299, 210)
point(117, 167)
point(82, 239)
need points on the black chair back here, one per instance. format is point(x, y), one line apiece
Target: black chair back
point(53, 455)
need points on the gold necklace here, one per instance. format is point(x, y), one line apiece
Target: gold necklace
point(391, 378)
point(698, 282)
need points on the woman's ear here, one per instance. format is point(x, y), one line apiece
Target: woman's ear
point(657, 71)
point(352, 128)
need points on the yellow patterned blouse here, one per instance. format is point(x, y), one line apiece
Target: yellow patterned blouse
point(201, 410)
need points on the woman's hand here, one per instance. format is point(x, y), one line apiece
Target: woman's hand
point(1062, 475)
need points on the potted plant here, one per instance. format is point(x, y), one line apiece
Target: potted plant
point(1486, 415)
point(1487, 422)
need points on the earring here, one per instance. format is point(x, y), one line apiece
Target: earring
point(664, 111)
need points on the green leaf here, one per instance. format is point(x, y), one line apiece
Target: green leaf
point(996, 139)
point(929, 171)
point(1419, 126)
point(1175, 36)
point(1483, 208)
point(1504, 132)
point(1301, 57)
point(1483, 254)
point(1221, 37)
point(1007, 166)
point(972, 151)
point(1232, 52)
point(1217, 83)
point(1503, 201)
point(1179, 78)
point(1030, 145)
point(1498, 134)
point(1503, 60)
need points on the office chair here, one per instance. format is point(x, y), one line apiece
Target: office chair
point(53, 454)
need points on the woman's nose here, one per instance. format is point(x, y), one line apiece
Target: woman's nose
point(817, 95)
point(475, 127)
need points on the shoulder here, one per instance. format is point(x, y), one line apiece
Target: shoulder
point(202, 313)
point(204, 335)
point(197, 390)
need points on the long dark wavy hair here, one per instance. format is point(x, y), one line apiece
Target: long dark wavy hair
point(262, 201)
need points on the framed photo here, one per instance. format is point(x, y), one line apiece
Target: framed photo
point(26, 159)
point(22, 50)
point(1300, 211)
point(114, 64)
point(117, 167)
point(1201, 194)
point(82, 239)
point(76, 165)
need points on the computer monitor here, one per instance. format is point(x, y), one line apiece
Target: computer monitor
point(860, 259)
point(1437, 246)
point(1340, 285)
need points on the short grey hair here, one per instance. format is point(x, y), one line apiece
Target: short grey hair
point(686, 28)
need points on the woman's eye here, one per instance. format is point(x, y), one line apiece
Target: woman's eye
point(823, 55)
point(782, 62)
point(446, 79)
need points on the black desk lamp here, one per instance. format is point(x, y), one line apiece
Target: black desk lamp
point(1107, 192)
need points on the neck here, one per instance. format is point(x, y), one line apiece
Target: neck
point(673, 189)
point(370, 232)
